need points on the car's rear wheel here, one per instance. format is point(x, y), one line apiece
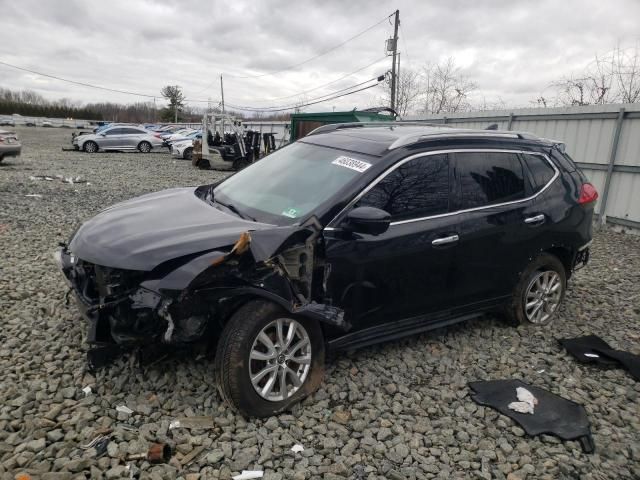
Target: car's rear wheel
point(144, 147)
point(188, 154)
point(267, 359)
point(539, 293)
point(90, 147)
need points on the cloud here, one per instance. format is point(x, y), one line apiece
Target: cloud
point(512, 50)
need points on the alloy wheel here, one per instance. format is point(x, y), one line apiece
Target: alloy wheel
point(280, 359)
point(145, 147)
point(90, 147)
point(543, 296)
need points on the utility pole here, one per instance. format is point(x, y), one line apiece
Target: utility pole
point(393, 64)
point(222, 93)
point(222, 98)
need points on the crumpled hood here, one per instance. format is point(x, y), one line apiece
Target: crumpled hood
point(143, 232)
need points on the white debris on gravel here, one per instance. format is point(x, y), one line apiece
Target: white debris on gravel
point(297, 448)
point(405, 407)
point(526, 401)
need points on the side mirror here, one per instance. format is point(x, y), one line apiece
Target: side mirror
point(102, 134)
point(368, 220)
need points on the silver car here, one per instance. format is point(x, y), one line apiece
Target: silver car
point(9, 144)
point(122, 138)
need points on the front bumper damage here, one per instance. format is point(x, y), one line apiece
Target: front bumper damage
point(181, 304)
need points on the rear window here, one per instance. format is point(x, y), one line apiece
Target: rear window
point(540, 169)
point(488, 178)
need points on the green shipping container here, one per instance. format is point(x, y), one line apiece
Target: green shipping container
point(303, 123)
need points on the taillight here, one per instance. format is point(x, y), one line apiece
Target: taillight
point(588, 194)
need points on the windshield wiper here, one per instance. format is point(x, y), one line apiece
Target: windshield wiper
point(236, 211)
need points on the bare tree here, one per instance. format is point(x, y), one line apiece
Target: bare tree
point(445, 89)
point(409, 91)
point(612, 78)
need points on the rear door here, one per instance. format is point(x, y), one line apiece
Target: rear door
point(130, 137)
point(501, 225)
point(407, 270)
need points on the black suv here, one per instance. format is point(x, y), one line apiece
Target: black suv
point(353, 235)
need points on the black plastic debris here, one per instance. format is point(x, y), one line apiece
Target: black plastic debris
point(593, 349)
point(553, 414)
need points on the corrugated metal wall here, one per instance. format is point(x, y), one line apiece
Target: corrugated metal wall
point(590, 136)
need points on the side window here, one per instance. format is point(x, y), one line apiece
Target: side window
point(418, 188)
point(131, 131)
point(486, 178)
point(541, 171)
point(113, 131)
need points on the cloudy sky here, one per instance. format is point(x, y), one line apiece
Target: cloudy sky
point(512, 49)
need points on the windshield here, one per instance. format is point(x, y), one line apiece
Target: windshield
point(292, 182)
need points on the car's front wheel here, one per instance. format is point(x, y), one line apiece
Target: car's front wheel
point(267, 359)
point(90, 147)
point(188, 154)
point(539, 293)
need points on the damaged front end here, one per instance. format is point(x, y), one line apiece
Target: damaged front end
point(183, 300)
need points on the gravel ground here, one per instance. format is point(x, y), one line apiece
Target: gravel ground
point(399, 410)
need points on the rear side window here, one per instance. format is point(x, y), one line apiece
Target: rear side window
point(540, 170)
point(487, 178)
point(417, 188)
point(131, 131)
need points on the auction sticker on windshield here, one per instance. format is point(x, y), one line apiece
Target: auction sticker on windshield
point(352, 163)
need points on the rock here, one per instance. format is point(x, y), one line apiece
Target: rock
point(77, 465)
point(243, 458)
point(35, 445)
point(391, 388)
point(57, 476)
point(342, 417)
point(214, 457)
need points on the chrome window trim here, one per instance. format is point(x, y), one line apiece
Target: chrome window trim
point(331, 227)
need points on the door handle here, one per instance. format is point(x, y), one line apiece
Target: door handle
point(445, 240)
point(533, 220)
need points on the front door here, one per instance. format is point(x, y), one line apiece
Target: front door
point(407, 270)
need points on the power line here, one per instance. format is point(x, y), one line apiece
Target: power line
point(331, 82)
point(317, 98)
point(76, 82)
point(291, 107)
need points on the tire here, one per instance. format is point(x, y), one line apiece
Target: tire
point(90, 146)
point(234, 367)
point(188, 154)
point(144, 147)
point(530, 289)
point(240, 164)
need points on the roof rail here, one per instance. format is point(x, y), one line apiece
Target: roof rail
point(409, 139)
point(330, 127)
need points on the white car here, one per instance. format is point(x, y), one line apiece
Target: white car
point(182, 149)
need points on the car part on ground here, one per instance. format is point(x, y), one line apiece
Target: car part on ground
point(339, 241)
point(10, 145)
point(552, 415)
point(593, 349)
